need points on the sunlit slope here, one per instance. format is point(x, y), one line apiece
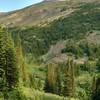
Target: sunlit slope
point(81, 24)
point(32, 14)
point(40, 14)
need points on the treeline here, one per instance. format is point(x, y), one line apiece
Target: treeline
point(60, 79)
point(13, 67)
point(82, 49)
point(76, 26)
point(13, 76)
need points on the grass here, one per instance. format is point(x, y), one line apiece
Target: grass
point(37, 95)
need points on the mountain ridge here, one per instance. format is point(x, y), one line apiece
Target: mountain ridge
point(30, 14)
point(39, 14)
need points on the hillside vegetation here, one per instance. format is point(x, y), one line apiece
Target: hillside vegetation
point(41, 13)
point(56, 57)
point(76, 26)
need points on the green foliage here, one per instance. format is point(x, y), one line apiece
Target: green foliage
point(37, 40)
point(69, 79)
point(31, 94)
point(2, 59)
point(83, 86)
point(51, 78)
point(96, 89)
point(21, 61)
point(82, 49)
point(16, 94)
point(11, 69)
point(98, 65)
point(8, 64)
point(61, 74)
point(8, 61)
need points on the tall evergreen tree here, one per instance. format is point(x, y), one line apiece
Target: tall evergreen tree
point(51, 78)
point(8, 60)
point(58, 86)
point(96, 89)
point(21, 60)
point(98, 65)
point(2, 58)
point(69, 79)
point(8, 63)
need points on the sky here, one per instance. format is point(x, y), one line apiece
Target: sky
point(10, 5)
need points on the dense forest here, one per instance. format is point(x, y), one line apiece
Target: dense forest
point(57, 61)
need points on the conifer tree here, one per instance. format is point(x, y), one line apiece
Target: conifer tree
point(2, 59)
point(47, 87)
point(8, 63)
point(96, 88)
point(98, 65)
point(69, 79)
point(8, 60)
point(51, 78)
point(21, 60)
point(58, 81)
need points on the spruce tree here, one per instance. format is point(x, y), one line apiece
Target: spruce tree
point(58, 80)
point(50, 82)
point(98, 65)
point(47, 87)
point(96, 88)
point(69, 79)
point(8, 60)
point(2, 59)
point(21, 60)
point(8, 64)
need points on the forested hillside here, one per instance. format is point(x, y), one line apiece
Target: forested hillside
point(77, 26)
point(57, 59)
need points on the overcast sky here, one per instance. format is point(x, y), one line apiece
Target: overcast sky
point(9, 5)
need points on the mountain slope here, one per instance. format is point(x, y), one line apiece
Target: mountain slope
point(40, 14)
point(32, 14)
point(80, 26)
